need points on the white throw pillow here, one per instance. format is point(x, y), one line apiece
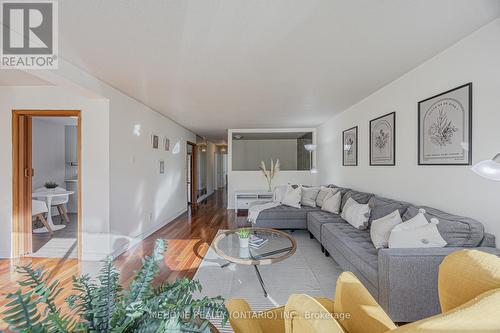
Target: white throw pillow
point(309, 195)
point(356, 214)
point(279, 193)
point(323, 193)
point(381, 229)
point(332, 202)
point(292, 197)
point(417, 232)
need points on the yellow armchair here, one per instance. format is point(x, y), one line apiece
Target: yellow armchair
point(469, 293)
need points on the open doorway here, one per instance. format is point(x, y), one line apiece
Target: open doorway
point(46, 183)
point(191, 173)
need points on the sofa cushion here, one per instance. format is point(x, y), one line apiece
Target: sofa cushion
point(355, 246)
point(343, 190)
point(283, 212)
point(316, 219)
point(382, 207)
point(359, 197)
point(457, 231)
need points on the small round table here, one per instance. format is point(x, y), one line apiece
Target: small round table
point(48, 196)
point(277, 247)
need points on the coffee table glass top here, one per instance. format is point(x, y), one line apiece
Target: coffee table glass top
point(277, 246)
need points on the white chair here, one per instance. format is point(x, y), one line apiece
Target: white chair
point(59, 202)
point(38, 208)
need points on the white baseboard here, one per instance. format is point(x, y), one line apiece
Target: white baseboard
point(4, 255)
point(137, 239)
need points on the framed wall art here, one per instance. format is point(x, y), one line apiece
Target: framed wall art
point(383, 140)
point(161, 167)
point(350, 147)
point(155, 141)
point(166, 144)
point(445, 128)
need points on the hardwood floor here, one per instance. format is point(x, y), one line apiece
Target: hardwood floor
point(189, 238)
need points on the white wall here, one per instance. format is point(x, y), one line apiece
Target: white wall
point(455, 189)
point(247, 154)
point(255, 180)
point(124, 198)
point(95, 158)
point(141, 200)
point(48, 149)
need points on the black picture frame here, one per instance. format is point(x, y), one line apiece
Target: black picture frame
point(393, 138)
point(467, 113)
point(355, 129)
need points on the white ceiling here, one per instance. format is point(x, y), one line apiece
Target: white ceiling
point(217, 64)
point(14, 77)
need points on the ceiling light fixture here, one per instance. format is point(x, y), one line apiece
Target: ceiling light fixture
point(489, 169)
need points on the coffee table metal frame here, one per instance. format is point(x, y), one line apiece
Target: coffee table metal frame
point(261, 259)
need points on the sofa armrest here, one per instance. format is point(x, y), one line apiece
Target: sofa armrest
point(408, 281)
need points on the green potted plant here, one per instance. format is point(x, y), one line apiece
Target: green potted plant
point(51, 185)
point(243, 236)
point(104, 306)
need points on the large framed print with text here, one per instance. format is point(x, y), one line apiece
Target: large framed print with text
point(445, 128)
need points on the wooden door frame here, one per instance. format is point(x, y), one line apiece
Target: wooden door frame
point(22, 226)
point(194, 177)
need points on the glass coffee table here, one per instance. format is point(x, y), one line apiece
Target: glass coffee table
point(278, 247)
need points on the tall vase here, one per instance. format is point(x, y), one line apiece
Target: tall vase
point(269, 187)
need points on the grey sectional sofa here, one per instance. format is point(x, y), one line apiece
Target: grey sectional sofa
point(404, 281)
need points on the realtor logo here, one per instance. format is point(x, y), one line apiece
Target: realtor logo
point(29, 34)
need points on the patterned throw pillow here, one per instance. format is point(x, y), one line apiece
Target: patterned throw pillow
point(416, 233)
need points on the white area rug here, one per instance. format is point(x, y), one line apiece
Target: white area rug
point(308, 271)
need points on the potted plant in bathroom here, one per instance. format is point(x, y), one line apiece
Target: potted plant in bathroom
point(243, 236)
point(51, 185)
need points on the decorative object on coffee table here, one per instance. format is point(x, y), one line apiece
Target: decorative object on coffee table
point(445, 128)
point(279, 246)
point(271, 173)
point(489, 169)
point(383, 140)
point(243, 235)
point(350, 147)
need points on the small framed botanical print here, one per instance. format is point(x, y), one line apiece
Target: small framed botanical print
point(383, 140)
point(161, 165)
point(445, 128)
point(350, 147)
point(166, 144)
point(155, 141)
